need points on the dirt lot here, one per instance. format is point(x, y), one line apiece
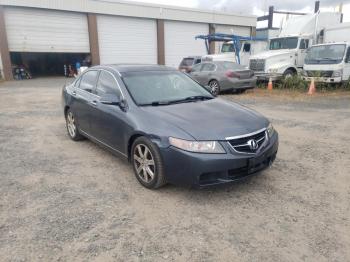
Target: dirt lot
point(67, 201)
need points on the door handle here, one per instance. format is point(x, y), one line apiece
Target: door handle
point(93, 102)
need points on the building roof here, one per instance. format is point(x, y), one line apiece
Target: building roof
point(135, 9)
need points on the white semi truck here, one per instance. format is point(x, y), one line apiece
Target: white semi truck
point(330, 62)
point(247, 49)
point(287, 52)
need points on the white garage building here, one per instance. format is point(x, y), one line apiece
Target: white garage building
point(44, 35)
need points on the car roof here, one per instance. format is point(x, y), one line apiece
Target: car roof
point(123, 68)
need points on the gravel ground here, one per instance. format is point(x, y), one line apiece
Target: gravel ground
point(73, 201)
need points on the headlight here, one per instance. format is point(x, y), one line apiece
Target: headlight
point(337, 73)
point(273, 70)
point(212, 147)
point(270, 130)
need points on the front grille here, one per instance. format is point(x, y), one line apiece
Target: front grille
point(244, 144)
point(319, 73)
point(257, 65)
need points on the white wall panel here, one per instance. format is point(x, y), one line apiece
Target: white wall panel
point(127, 40)
point(39, 30)
point(180, 41)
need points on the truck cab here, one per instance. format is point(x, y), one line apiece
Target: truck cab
point(227, 52)
point(287, 52)
point(328, 63)
point(284, 57)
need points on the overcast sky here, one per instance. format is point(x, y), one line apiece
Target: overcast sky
point(257, 7)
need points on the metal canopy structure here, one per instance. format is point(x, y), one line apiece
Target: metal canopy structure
point(236, 41)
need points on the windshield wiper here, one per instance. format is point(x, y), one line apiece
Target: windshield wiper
point(183, 100)
point(192, 98)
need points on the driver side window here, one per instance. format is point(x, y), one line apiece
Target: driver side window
point(347, 58)
point(106, 84)
point(304, 44)
point(196, 68)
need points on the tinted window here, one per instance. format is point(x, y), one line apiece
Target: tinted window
point(196, 68)
point(197, 61)
point(161, 86)
point(232, 66)
point(88, 81)
point(347, 59)
point(284, 43)
point(187, 62)
point(304, 43)
point(208, 67)
point(227, 48)
point(246, 47)
point(106, 84)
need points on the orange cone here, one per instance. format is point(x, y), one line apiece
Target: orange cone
point(270, 85)
point(312, 88)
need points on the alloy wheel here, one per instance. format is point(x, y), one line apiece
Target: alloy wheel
point(144, 163)
point(214, 85)
point(72, 129)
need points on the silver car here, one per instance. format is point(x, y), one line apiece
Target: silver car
point(223, 76)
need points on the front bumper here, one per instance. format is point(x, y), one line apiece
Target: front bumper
point(323, 79)
point(262, 76)
point(202, 170)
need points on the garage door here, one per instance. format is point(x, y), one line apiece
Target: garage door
point(180, 42)
point(127, 40)
point(228, 29)
point(36, 30)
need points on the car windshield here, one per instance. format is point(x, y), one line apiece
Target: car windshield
point(163, 87)
point(232, 66)
point(227, 48)
point(325, 54)
point(187, 62)
point(284, 43)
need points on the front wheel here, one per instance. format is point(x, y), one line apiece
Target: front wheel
point(214, 87)
point(72, 129)
point(147, 163)
point(288, 74)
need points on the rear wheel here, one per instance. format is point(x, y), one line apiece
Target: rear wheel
point(215, 87)
point(72, 129)
point(147, 163)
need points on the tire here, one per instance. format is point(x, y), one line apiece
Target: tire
point(288, 73)
point(72, 128)
point(215, 87)
point(146, 160)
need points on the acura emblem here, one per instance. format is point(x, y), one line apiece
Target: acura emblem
point(253, 145)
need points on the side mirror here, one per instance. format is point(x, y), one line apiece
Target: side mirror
point(114, 100)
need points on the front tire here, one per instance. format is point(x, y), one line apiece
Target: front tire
point(288, 74)
point(147, 163)
point(72, 129)
point(215, 87)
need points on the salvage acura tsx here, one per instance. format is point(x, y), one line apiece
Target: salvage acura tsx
point(171, 129)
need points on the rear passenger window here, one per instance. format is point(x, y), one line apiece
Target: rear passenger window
point(208, 67)
point(88, 81)
point(107, 85)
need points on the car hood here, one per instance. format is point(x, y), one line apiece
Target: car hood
point(213, 119)
point(272, 53)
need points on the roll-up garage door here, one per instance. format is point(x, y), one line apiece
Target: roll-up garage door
point(180, 41)
point(127, 40)
point(230, 29)
point(39, 30)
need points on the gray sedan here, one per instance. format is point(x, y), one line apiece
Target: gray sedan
point(224, 76)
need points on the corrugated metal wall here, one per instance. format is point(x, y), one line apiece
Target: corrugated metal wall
point(39, 30)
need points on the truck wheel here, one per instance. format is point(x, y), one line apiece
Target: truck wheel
point(288, 73)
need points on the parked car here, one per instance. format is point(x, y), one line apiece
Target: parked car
point(224, 76)
point(188, 62)
point(170, 128)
